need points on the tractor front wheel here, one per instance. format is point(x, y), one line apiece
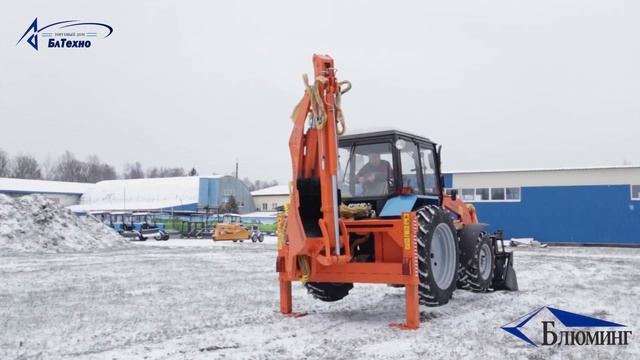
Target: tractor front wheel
point(437, 255)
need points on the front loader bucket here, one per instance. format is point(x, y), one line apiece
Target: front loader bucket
point(511, 280)
point(504, 276)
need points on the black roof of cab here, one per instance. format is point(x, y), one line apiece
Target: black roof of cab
point(381, 133)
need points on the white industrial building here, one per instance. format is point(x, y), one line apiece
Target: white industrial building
point(271, 198)
point(63, 193)
point(183, 194)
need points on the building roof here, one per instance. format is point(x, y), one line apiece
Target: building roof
point(140, 194)
point(272, 191)
point(543, 169)
point(42, 186)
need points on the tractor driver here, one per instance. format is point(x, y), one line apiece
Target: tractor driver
point(374, 176)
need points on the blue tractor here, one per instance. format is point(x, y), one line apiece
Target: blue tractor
point(145, 224)
point(140, 226)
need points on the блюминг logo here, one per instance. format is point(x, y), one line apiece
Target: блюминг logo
point(561, 327)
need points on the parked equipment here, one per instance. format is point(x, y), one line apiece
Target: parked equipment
point(370, 208)
point(145, 225)
point(198, 226)
point(231, 228)
point(139, 226)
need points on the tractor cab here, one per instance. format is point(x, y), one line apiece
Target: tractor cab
point(390, 170)
point(121, 221)
point(231, 219)
point(145, 224)
point(102, 216)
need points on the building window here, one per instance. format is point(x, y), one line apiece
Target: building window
point(274, 206)
point(513, 193)
point(635, 192)
point(482, 194)
point(265, 206)
point(497, 193)
point(241, 203)
point(468, 194)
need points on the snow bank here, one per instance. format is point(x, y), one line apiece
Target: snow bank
point(33, 223)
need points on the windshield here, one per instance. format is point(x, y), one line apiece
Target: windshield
point(365, 170)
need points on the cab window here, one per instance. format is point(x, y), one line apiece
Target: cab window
point(365, 170)
point(409, 159)
point(430, 179)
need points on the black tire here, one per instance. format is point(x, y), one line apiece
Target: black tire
point(261, 238)
point(328, 292)
point(478, 269)
point(254, 239)
point(437, 269)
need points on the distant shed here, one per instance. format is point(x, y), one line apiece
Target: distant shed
point(63, 193)
point(269, 199)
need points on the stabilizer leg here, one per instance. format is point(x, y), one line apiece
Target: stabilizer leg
point(412, 309)
point(286, 303)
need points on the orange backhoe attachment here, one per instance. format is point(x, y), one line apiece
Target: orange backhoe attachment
point(314, 241)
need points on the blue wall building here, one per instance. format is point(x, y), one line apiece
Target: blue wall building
point(585, 205)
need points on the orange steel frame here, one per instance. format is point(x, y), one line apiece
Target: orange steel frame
point(314, 155)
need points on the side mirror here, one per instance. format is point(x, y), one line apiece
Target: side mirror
point(454, 194)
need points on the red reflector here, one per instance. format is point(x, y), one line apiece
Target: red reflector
point(406, 269)
point(280, 264)
point(406, 191)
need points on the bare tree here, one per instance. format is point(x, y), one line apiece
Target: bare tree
point(26, 167)
point(108, 172)
point(97, 171)
point(230, 206)
point(162, 172)
point(258, 184)
point(175, 172)
point(68, 168)
point(133, 171)
point(5, 171)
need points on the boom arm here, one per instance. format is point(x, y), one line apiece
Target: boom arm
point(313, 222)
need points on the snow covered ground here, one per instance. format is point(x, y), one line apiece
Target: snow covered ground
point(193, 299)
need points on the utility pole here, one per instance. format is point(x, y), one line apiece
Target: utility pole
point(236, 168)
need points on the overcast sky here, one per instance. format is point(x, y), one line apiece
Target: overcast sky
point(501, 84)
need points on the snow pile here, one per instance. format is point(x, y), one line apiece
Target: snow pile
point(33, 223)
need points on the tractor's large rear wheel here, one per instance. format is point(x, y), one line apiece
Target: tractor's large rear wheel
point(437, 255)
point(328, 291)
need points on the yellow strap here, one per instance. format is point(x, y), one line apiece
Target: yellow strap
point(305, 268)
point(317, 107)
